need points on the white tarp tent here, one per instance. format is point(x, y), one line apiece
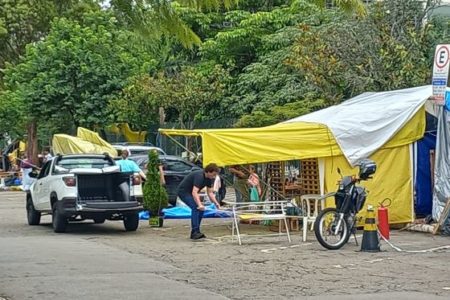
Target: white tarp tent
point(358, 130)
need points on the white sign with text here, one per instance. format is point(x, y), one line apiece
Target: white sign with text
point(440, 73)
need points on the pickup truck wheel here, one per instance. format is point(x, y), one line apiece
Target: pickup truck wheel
point(59, 221)
point(131, 222)
point(33, 216)
point(99, 220)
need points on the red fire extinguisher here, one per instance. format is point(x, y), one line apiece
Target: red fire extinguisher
point(383, 220)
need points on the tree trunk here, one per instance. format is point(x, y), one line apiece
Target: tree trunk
point(32, 142)
point(162, 116)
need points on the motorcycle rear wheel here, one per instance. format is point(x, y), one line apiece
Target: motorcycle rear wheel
point(325, 229)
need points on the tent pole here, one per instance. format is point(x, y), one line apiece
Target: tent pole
point(413, 164)
point(181, 145)
point(322, 175)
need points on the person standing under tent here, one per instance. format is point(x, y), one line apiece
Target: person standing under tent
point(240, 176)
point(254, 184)
point(217, 186)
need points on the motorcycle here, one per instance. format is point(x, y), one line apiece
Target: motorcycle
point(333, 226)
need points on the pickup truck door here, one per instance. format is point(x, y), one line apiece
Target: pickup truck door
point(41, 192)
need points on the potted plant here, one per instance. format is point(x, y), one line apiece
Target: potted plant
point(155, 195)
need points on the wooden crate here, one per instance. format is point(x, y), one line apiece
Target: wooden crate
point(309, 176)
point(275, 171)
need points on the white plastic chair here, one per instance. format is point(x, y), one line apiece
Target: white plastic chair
point(257, 211)
point(312, 204)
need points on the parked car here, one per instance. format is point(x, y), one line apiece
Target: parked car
point(84, 186)
point(175, 169)
point(137, 149)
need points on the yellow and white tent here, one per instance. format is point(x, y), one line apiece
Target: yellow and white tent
point(382, 126)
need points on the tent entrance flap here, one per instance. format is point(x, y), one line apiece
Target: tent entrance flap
point(392, 180)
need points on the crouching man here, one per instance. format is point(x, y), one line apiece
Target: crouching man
point(189, 190)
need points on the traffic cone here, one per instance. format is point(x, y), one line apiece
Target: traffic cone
point(370, 241)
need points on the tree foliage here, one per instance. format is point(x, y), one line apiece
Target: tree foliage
point(153, 19)
point(155, 195)
point(349, 56)
point(266, 80)
point(23, 22)
point(76, 70)
point(348, 6)
point(139, 102)
point(20, 24)
point(279, 113)
point(194, 91)
point(12, 119)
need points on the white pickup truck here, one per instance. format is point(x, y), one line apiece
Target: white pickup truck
point(84, 186)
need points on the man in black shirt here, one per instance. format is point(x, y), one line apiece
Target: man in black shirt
point(189, 190)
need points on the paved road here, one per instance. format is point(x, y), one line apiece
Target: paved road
point(35, 263)
point(104, 262)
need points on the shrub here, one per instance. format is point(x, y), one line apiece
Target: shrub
point(155, 195)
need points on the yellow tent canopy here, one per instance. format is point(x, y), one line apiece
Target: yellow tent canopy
point(86, 142)
point(282, 142)
point(356, 128)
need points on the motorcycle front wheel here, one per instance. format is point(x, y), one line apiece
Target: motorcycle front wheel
point(327, 232)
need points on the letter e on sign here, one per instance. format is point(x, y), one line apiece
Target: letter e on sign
point(442, 57)
point(440, 73)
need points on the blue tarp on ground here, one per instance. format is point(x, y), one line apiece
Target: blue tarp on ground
point(424, 188)
point(184, 212)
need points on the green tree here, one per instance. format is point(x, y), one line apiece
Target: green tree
point(77, 69)
point(348, 6)
point(23, 22)
point(257, 47)
point(12, 115)
point(279, 113)
point(234, 39)
point(193, 91)
point(155, 195)
point(333, 56)
point(387, 50)
point(152, 19)
point(139, 103)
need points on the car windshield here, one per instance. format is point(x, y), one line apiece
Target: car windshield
point(169, 164)
point(84, 162)
point(143, 151)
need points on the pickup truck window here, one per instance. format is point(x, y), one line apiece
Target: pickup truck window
point(84, 163)
point(45, 170)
